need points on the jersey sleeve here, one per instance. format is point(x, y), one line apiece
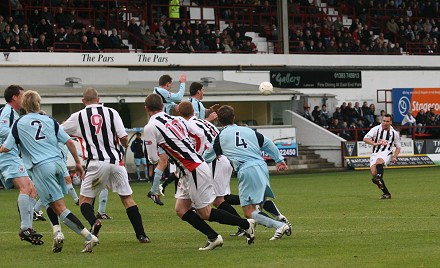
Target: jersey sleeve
point(271, 149)
point(62, 136)
point(213, 151)
point(370, 134)
point(5, 124)
point(177, 97)
point(397, 140)
point(119, 125)
point(151, 143)
point(12, 139)
point(70, 126)
point(4, 128)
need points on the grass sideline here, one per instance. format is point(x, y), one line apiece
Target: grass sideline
point(338, 221)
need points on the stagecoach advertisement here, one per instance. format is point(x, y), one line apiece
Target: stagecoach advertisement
point(414, 99)
point(414, 153)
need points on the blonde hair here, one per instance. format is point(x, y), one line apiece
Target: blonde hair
point(31, 102)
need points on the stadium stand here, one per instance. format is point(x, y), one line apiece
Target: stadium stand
point(316, 26)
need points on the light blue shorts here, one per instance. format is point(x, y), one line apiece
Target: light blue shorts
point(49, 181)
point(139, 161)
point(11, 167)
point(253, 183)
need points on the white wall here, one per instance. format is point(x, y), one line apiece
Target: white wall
point(92, 68)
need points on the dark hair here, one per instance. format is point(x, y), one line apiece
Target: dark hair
point(154, 102)
point(11, 91)
point(389, 115)
point(164, 79)
point(138, 134)
point(195, 86)
point(226, 115)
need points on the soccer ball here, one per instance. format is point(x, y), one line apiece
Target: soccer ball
point(266, 88)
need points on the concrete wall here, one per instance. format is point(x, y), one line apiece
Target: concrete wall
point(325, 143)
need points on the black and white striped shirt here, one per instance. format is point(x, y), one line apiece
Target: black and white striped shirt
point(391, 136)
point(202, 132)
point(99, 130)
point(171, 134)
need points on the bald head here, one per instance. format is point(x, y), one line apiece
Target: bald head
point(90, 96)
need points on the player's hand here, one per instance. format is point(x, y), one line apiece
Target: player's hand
point(281, 166)
point(79, 170)
point(214, 107)
point(182, 78)
point(394, 159)
point(212, 116)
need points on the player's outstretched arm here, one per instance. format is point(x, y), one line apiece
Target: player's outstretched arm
point(78, 165)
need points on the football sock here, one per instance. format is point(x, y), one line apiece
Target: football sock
point(379, 175)
point(169, 180)
point(227, 207)
point(270, 207)
point(379, 169)
point(71, 221)
point(53, 217)
point(31, 207)
point(157, 177)
point(384, 189)
point(37, 205)
point(72, 192)
point(24, 210)
point(138, 172)
point(263, 219)
point(103, 196)
point(224, 217)
point(88, 213)
point(54, 221)
point(136, 220)
point(232, 199)
point(145, 171)
point(166, 172)
point(195, 221)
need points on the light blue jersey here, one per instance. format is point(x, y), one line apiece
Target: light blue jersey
point(169, 99)
point(199, 108)
point(11, 165)
point(38, 136)
point(7, 117)
point(242, 146)
point(63, 150)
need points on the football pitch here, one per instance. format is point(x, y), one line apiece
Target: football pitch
point(338, 221)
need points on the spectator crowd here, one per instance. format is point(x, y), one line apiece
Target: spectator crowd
point(353, 122)
point(380, 27)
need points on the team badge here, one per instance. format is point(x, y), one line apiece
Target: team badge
point(419, 145)
point(21, 169)
point(350, 147)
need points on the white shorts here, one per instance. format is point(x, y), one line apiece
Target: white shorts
point(101, 175)
point(173, 168)
point(197, 186)
point(222, 170)
point(385, 155)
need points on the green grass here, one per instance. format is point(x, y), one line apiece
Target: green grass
point(338, 221)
